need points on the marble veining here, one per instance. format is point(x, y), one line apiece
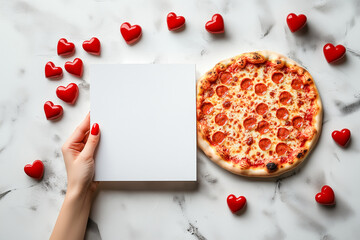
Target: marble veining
point(284, 207)
point(4, 194)
point(92, 231)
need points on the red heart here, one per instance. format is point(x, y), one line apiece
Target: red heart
point(65, 48)
point(341, 137)
point(333, 53)
point(131, 34)
point(52, 72)
point(175, 22)
point(92, 46)
point(216, 24)
point(35, 170)
point(326, 196)
point(295, 22)
point(236, 204)
point(68, 94)
point(52, 111)
point(75, 67)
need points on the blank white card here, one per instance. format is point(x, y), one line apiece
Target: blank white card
point(147, 118)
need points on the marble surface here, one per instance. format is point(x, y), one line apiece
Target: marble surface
point(283, 208)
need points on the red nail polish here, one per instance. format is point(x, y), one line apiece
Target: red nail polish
point(95, 129)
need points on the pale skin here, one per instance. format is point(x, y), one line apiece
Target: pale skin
point(78, 152)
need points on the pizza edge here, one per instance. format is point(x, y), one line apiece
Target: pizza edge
point(261, 173)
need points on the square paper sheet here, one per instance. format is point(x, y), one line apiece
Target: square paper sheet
point(147, 118)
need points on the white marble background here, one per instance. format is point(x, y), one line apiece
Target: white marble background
point(279, 209)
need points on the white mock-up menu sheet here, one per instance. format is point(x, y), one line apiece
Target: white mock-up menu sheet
point(147, 119)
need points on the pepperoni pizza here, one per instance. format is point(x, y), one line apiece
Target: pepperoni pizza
point(258, 114)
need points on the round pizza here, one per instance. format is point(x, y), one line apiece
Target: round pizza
point(258, 114)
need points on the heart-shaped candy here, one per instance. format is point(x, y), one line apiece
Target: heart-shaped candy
point(332, 53)
point(92, 46)
point(65, 48)
point(341, 137)
point(75, 67)
point(236, 204)
point(175, 22)
point(35, 170)
point(131, 34)
point(216, 24)
point(52, 111)
point(295, 22)
point(51, 71)
point(326, 196)
point(68, 94)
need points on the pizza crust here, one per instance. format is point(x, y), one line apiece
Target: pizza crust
point(261, 173)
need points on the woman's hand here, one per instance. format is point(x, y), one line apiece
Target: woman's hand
point(78, 152)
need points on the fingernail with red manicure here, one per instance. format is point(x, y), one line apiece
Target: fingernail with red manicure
point(95, 129)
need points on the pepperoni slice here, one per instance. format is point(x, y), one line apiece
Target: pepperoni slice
point(307, 87)
point(277, 77)
point(210, 92)
point(283, 133)
point(227, 104)
point(297, 84)
point(263, 127)
point(297, 122)
point(221, 119)
point(262, 108)
point(246, 84)
point(265, 144)
point(285, 98)
point(282, 114)
point(249, 123)
point(218, 138)
point(207, 108)
point(260, 89)
point(249, 141)
point(225, 78)
point(282, 148)
point(221, 91)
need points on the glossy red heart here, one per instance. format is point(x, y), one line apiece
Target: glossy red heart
point(51, 71)
point(216, 24)
point(35, 170)
point(341, 137)
point(65, 48)
point(75, 67)
point(175, 22)
point(131, 34)
point(295, 22)
point(332, 53)
point(92, 46)
point(52, 111)
point(68, 94)
point(326, 196)
point(236, 204)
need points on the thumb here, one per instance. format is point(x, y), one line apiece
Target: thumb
point(92, 142)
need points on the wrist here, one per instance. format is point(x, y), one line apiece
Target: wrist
point(80, 194)
point(78, 199)
point(75, 192)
